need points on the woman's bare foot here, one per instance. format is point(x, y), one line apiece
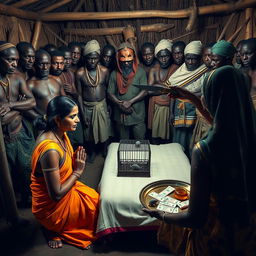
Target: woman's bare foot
point(52, 238)
point(55, 243)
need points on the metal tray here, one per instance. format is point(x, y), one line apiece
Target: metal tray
point(157, 187)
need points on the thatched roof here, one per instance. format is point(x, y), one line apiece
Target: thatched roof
point(81, 20)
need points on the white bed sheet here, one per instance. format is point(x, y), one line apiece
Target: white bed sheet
point(120, 207)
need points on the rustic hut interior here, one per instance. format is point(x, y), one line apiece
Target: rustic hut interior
point(111, 22)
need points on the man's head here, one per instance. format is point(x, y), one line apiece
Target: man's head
point(222, 54)
point(178, 52)
point(193, 52)
point(27, 55)
point(147, 53)
point(9, 57)
point(50, 48)
point(57, 63)
point(91, 54)
point(207, 55)
point(108, 56)
point(163, 53)
point(248, 53)
point(126, 58)
point(67, 57)
point(75, 48)
point(238, 50)
point(42, 64)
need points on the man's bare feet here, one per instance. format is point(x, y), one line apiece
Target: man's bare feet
point(55, 243)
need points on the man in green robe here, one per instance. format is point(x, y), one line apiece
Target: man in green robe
point(129, 107)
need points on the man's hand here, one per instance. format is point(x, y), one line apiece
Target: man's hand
point(127, 104)
point(4, 109)
point(181, 93)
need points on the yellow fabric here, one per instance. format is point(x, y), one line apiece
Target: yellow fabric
point(73, 217)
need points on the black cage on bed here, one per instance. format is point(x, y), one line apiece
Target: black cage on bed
point(134, 158)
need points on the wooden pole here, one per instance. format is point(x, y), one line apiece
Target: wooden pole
point(58, 37)
point(18, 13)
point(226, 26)
point(234, 36)
point(23, 3)
point(249, 26)
point(55, 6)
point(21, 33)
point(160, 27)
point(178, 14)
point(6, 186)
point(37, 30)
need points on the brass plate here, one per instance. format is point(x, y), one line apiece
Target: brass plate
point(159, 186)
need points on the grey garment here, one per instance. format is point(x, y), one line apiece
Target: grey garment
point(136, 131)
point(183, 135)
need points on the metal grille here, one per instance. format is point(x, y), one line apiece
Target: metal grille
point(134, 158)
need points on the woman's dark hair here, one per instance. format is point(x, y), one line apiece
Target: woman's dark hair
point(60, 106)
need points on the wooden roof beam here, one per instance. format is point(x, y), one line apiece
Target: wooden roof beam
point(210, 9)
point(55, 6)
point(23, 3)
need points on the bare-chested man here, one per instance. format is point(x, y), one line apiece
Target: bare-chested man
point(76, 49)
point(248, 57)
point(91, 84)
point(26, 60)
point(159, 107)
point(41, 85)
point(19, 142)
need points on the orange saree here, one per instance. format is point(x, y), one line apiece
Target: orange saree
point(73, 218)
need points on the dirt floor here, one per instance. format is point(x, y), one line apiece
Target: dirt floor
point(29, 241)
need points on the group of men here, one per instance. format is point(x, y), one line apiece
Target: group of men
point(104, 85)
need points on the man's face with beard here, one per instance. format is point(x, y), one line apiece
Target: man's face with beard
point(126, 57)
point(42, 66)
point(27, 58)
point(57, 65)
point(9, 61)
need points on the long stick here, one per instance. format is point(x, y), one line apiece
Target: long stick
point(117, 30)
point(37, 31)
point(21, 33)
point(6, 186)
point(249, 27)
point(178, 14)
point(226, 27)
point(23, 3)
point(234, 36)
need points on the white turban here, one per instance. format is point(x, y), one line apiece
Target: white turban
point(194, 47)
point(162, 45)
point(91, 46)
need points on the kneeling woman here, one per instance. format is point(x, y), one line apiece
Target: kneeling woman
point(65, 207)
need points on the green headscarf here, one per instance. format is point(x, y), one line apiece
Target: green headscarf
point(231, 143)
point(224, 48)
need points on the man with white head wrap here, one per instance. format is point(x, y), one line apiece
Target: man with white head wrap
point(189, 75)
point(159, 105)
point(91, 82)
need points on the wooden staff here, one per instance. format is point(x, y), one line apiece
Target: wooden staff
point(23, 3)
point(178, 14)
point(160, 27)
point(6, 186)
point(192, 17)
point(234, 36)
point(249, 27)
point(37, 30)
point(56, 36)
point(226, 26)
